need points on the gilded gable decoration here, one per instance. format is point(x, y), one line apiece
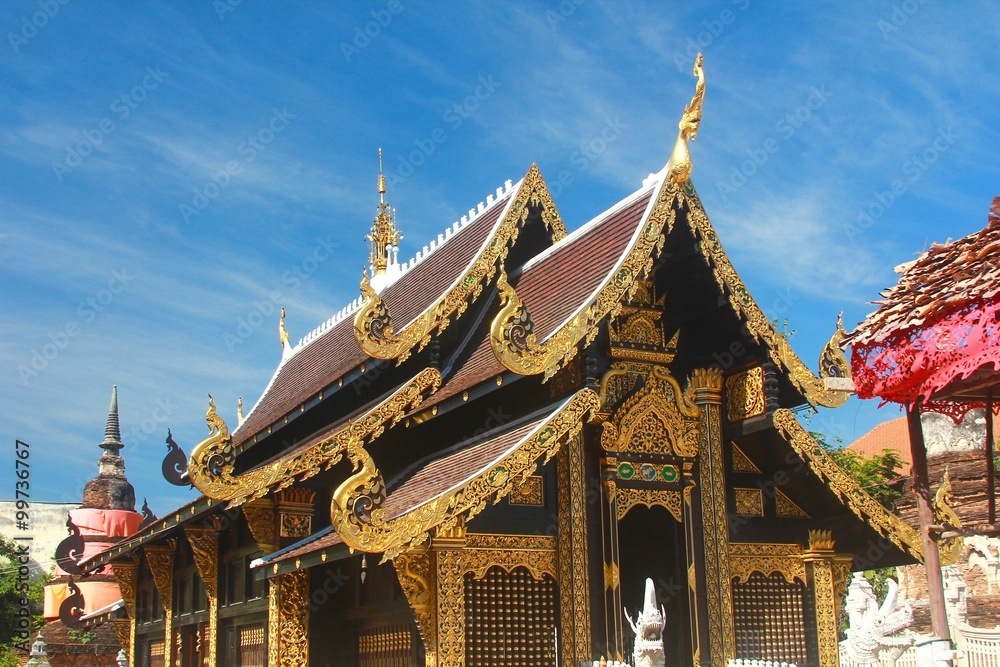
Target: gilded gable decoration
point(373, 325)
point(786, 508)
point(529, 492)
point(627, 498)
point(212, 461)
point(833, 362)
point(512, 335)
point(749, 502)
point(657, 419)
point(745, 394)
point(358, 517)
point(852, 495)
point(786, 559)
point(742, 462)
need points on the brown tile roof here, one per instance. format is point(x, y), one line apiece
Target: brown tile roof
point(556, 285)
point(432, 480)
point(335, 352)
point(892, 434)
point(946, 278)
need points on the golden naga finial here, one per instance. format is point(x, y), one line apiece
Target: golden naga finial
point(282, 331)
point(680, 159)
point(239, 411)
point(384, 236)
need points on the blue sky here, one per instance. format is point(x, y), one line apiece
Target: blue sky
point(174, 172)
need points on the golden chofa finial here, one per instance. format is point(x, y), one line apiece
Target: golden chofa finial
point(384, 237)
point(239, 411)
point(680, 159)
point(282, 331)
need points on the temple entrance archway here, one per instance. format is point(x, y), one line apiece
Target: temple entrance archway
point(652, 545)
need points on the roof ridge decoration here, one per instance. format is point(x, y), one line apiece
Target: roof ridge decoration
point(847, 490)
point(212, 461)
point(373, 326)
point(832, 362)
point(680, 160)
point(512, 333)
point(384, 236)
point(357, 515)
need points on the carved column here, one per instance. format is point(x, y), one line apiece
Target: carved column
point(447, 545)
point(417, 577)
point(707, 386)
point(574, 585)
point(288, 594)
point(288, 632)
point(126, 574)
point(827, 572)
point(204, 541)
point(160, 558)
point(614, 636)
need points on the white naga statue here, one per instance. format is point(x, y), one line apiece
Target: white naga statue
point(876, 635)
point(648, 628)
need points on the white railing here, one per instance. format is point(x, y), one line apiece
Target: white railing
point(980, 646)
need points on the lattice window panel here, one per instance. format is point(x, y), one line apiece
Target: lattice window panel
point(252, 645)
point(386, 646)
point(156, 653)
point(510, 619)
point(770, 619)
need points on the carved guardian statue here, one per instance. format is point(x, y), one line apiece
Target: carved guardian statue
point(879, 637)
point(648, 628)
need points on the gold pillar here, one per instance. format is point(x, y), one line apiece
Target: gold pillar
point(126, 574)
point(447, 545)
point(707, 386)
point(614, 635)
point(417, 577)
point(160, 558)
point(204, 541)
point(574, 582)
point(693, 549)
point(288, 619)
point(288, 594)
point(827, 572)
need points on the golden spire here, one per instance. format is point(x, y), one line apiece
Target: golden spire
point(282, 332)
point(384, 236)
point(680, 159)
point(239, 411)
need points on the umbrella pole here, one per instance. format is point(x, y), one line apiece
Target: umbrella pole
point(925, 515)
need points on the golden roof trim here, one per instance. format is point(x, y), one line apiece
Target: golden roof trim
point(512, 332)
point(373, 327)
point(832, 362)
point(364, 491)
point(846, 489)
point(212, 461)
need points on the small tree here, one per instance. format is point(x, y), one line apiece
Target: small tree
point(875, 474)
point(13, 588)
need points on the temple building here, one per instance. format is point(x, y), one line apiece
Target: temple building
point(482, 459)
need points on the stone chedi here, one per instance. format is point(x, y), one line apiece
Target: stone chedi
point(106, 516)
